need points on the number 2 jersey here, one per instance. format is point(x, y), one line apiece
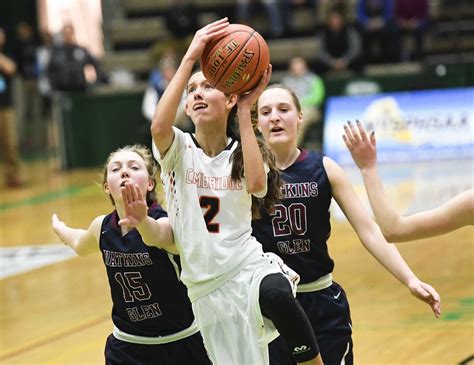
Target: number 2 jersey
point(299, 228)
point(148, 298)
point(209, 212)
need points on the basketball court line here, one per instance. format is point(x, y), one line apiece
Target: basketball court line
point(20, 259)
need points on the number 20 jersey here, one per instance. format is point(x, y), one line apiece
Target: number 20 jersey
point(299, 228)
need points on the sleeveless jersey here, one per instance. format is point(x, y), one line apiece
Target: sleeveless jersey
point(210, 214)
point(299, 228)
point(148, 298)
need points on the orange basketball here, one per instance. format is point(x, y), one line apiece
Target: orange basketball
point(235, 62)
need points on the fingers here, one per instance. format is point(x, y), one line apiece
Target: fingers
point(429, 295)
point(215, 29)
point(372, 138)
point(346, 141)
point(349, 136)
point(131, 193)
point(127, 193)
point(124, 192)
point(264, 80)
point(138, 193)
point(433, 299)
point(354, 133)
point(268, 73)
point(55, 221)
point(363, 135)
point(218, 23)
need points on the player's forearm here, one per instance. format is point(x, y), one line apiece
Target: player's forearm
point(165, 112)
point(72, 238)
point(155, 234)
point(385, 213)
point(388, 256)
point(254, 169)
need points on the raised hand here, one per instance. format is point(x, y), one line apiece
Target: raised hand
point(247, 100)
point(427, 294)
point(362, 148)
point(58, 226)
point(136, 209)
point(204, 35)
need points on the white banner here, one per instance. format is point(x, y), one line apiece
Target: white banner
point(409, 126)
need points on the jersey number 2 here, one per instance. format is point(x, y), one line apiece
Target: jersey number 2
point(212, 204)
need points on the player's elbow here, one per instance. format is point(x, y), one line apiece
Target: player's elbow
point(257, 187)
point(156, 129)
point(392, 233)
point(389, 236)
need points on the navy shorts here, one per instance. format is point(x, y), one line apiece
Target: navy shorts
point(189, 350)
point(329, 314)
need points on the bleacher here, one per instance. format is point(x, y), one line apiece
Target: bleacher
point(141, 23)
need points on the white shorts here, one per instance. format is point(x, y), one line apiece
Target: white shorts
point(230, 319)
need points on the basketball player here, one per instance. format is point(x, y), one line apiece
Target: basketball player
point(209, 179)
point(152, 316)
point(456, 213)
point(299, 227)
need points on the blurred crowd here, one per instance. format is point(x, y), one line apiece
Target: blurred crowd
point(351, 34)
point(34, 68)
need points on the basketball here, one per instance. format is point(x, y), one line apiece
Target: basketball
point(235, 62)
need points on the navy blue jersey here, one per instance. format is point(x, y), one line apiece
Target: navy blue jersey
point(299, 228)
point(148, 298)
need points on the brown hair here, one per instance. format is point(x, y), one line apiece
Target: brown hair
point(150, 164)
point(274, 182)
point(266, 153)
point(296, 101)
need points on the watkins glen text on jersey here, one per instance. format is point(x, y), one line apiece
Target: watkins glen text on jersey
point(211, 182)
point(294, 246)
point(120, 259)
point(300, 190)
point(143, 312)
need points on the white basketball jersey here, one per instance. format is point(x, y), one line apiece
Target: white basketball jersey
point(210, 214)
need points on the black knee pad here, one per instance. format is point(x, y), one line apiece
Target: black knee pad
point(278, 303)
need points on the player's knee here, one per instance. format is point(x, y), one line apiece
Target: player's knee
point(275, 294)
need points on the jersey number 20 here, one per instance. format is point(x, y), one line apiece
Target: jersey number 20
point(289, 219)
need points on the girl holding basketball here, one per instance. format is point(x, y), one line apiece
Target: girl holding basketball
point(210, 180)
point(456, 213)
point(151, 313)
point(299, 227)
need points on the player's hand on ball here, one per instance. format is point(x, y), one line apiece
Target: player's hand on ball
point(204, 35)
point(248, 99)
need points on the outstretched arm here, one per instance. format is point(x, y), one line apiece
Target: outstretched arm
point(165, 113)
point(255, 174)
point(373, 240)
point(456, 213)
point(154, 232)
point(82, 241)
